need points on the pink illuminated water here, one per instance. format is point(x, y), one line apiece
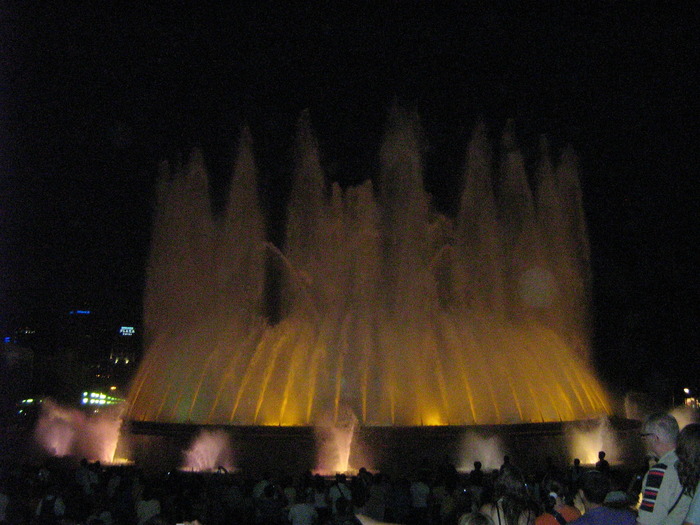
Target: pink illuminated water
point(209, 451)
point(65, 431)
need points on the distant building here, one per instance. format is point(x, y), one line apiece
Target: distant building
point(66, 355)
point(16, 375)
point(25, 336)
point(125, 345)
point(84, 333)
point(115, 369)
point(124, 353)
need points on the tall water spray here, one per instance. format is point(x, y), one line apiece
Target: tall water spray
point(210, 451)
point(389, 309)
point(64, 431)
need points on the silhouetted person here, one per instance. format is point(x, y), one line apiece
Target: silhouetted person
point(475, 518)
point(506, 463)
point(269, 508)
point(556, 511)
point(303, 513)
point(420, 496)
point(602, 464)
point(51, 508)
point(688, 451)
point(511, 504)
point(594, 487)
point(551, 470)
point(476, 484)
point(574, 474)
point(344, 514)
point(476, 477)
point(338, 490)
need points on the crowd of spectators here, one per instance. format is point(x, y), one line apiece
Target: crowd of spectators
point(90, 493)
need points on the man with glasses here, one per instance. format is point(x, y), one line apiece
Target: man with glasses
point(663, 500)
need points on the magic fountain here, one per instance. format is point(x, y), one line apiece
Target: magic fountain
point(389, 310)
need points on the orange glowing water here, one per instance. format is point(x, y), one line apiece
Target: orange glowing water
point(389, 309)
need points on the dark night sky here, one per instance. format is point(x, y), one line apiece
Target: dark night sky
point(95, 94)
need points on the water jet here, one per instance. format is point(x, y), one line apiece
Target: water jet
point(389, 309)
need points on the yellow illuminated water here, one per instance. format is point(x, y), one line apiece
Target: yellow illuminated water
point(390, 310)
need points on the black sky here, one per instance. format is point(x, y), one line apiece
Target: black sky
point(96, 93)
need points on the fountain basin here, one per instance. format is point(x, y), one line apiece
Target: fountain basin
point(393, 450)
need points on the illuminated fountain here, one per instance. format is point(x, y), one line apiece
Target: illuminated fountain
point(334, 439)
point(209, 452)
point(488, 450)
point(63, 431)
point(389, 310)
point(586, 440)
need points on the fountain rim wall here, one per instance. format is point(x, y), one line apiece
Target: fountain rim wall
point(395, 450)
point(549, 427)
